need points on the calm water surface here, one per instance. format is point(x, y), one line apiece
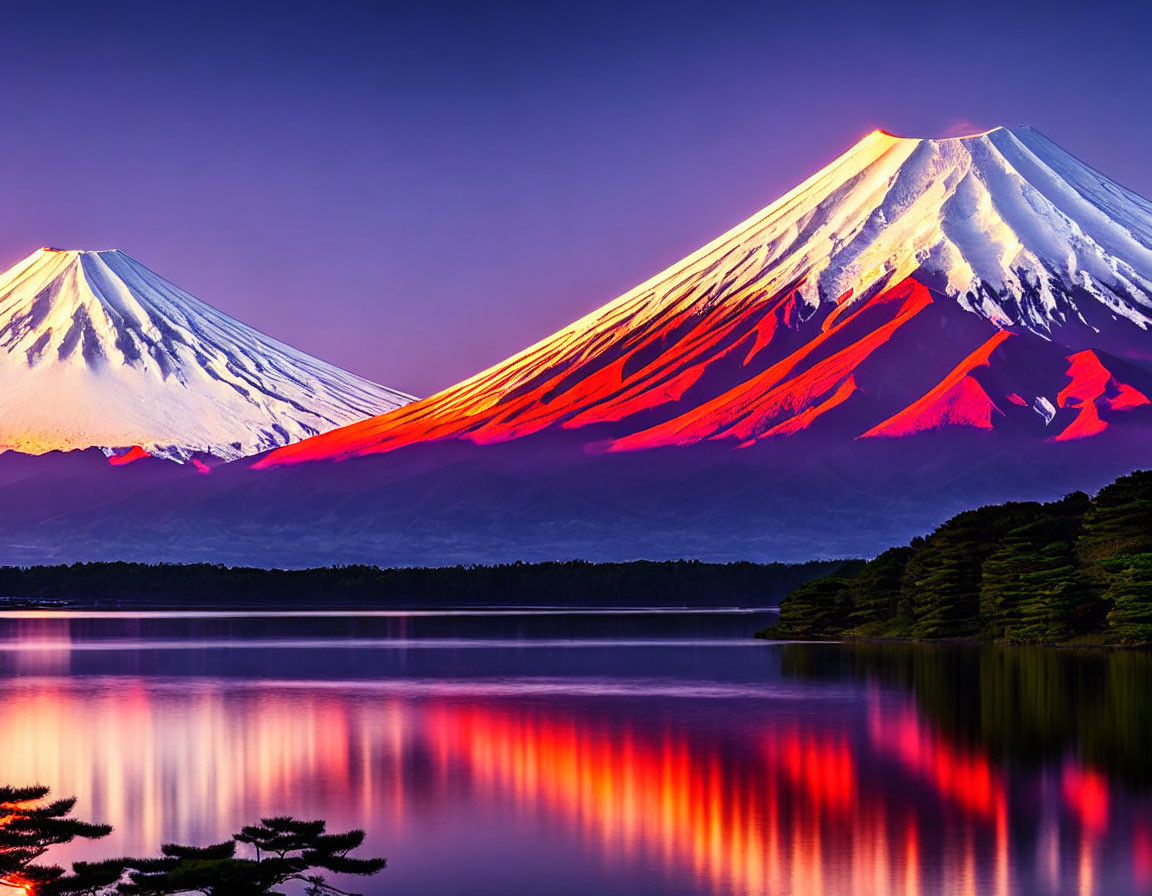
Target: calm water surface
point(595, 752)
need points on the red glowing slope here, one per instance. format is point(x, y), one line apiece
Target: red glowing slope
point(757, 367)
point(958, 400)
point(730, 352)
point(128, 457)
point(874, 299)
point(1092, 388)
point(791, 394)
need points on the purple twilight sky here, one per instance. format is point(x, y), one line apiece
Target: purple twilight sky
point(415, 191)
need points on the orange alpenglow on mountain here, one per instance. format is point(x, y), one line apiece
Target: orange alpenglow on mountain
point(990, 282)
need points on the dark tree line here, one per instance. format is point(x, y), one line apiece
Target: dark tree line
point(1079, 568)
point(516, 584)
point(284, 850)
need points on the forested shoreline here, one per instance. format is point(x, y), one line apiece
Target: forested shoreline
point(571, 583)
point(1078, 570)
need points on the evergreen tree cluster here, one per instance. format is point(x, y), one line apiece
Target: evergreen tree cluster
point(1079, 568)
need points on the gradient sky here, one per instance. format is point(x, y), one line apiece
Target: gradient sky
point(415, 191)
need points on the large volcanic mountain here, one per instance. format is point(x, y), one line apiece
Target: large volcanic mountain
point(98, 351)
point(921, 327)
point(990, 282)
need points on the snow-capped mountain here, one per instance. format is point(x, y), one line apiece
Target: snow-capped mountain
point(989, 282)
point(96, 350)
point(922, 327)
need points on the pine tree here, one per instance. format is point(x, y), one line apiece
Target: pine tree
point(1031, 587)
point(815, 609)
point(1119, 522)
point(875, 591)
point(29, 826)
point(1025, 572)
point(1129, 594)
point(1114, 551)
point(286, 849)
point(942, 579)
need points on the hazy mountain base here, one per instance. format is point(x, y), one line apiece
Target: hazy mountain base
point(537, 499)
point(1077, 570)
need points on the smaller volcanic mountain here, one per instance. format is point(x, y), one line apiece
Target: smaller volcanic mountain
point(98, 351)
point(984, 282)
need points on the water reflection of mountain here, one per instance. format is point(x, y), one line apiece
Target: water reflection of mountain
point(1031, 705)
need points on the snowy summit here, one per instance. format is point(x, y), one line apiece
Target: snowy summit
point(992, 281)
point(96, 350)
point(1014, 224)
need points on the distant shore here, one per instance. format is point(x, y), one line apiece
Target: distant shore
point(137, 586)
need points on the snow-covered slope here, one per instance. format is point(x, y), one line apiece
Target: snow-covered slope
point(98, 351)
point(913, 284)
point(1011, 222)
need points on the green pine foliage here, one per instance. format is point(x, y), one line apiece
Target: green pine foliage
point(1129, 595)
point(942, 578)
point(1076, 569)
point(1031, 586)
point(875, 591)
point(815, 609)
point(1119, 521)
point(1116, 552)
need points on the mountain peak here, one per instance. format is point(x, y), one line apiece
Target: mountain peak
point(879, 294)
point(55, 253)
point(96, 350)
point(950, 137)
point(56, 250)
point(1013, 223)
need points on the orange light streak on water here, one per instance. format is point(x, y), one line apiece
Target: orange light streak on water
point(801, 820)
point(785, 808)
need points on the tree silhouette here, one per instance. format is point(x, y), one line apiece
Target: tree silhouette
point(29, 826)
point(286, 849)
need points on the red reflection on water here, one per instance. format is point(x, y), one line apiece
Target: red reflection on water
point(797, 817)
point(777, 806)
point(823, 767)
point(964, 777)
point(1086, 792)
point(1142, 855)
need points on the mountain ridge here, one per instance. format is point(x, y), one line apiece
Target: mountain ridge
point(825, 379)
point(761, 332)
point(96, 350)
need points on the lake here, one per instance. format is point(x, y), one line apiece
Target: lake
point(607, 752)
